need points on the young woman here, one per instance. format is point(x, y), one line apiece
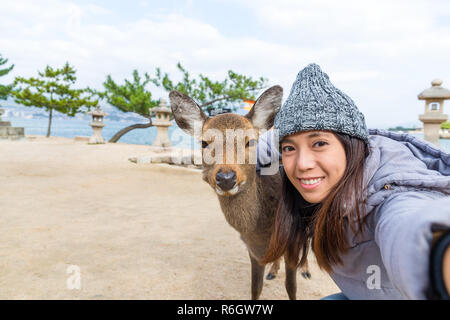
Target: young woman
point(373, 205)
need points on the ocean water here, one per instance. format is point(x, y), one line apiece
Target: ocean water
point(75, 127)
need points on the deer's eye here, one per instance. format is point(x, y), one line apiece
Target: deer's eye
point(251, 143)
point(204, 144)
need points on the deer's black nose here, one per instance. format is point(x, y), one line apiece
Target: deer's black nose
point(225, 180)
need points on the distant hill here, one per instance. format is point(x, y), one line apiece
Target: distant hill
point(22, 112)
point(14, 110)
point(400, 128)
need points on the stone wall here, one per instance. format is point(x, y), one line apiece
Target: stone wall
point(12, 133)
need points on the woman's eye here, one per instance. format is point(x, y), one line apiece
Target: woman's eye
point(204, 144)
point(287, 149)
point(251, 143)
point(320, 143)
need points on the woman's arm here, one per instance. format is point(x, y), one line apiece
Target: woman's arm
point(404, 235)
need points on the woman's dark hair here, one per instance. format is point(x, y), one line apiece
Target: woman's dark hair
point(299, 224)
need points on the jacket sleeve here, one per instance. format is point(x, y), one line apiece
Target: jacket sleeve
point(267, 154)
point(403, 233)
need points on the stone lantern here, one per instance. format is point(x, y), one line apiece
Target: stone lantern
point(162, 123)
point(97, 126)
point(434, 110)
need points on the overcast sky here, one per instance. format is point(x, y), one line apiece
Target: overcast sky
point(381, 53)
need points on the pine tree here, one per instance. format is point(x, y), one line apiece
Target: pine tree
point(52, 90)
point(5, 90)
point(132, 96)
point(212, 94)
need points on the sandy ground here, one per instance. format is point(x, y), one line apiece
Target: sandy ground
point(135, 231)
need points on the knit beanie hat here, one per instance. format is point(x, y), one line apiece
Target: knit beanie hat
point(315, 104)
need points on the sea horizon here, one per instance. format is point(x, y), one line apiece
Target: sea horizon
point(71, 128)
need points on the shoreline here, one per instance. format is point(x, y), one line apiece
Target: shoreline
point(72, 128)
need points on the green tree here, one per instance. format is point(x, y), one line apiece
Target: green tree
point(5, 89)
point(52, 90)
point(212, 94)
point(132, 96)
point(445, 125)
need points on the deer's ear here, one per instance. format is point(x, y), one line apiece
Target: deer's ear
point(188, 115)
point(265, 108)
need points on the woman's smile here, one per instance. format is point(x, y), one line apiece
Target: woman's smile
point(310, 183)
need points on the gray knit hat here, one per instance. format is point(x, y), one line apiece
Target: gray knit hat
point(315, 104)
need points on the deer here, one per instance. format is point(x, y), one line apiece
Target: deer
point(248, 201)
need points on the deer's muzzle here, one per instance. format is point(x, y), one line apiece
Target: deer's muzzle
point(226, 180)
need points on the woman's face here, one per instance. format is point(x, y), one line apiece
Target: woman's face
point(314, 162)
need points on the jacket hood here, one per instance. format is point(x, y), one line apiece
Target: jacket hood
point(401, 162)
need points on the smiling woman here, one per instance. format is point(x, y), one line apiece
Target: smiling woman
point(326, 168)
point(368, 202)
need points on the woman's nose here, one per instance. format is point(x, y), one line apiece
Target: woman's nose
point(305, 161)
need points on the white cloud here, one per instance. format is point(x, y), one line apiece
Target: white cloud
point(159, 40)
point(386, 52)
point(381, 54)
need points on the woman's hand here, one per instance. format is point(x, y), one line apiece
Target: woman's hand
point(440, 264)
point(446, 269)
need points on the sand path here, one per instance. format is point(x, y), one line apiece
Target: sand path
point(135, 231)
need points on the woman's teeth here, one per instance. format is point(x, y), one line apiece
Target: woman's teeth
point(310, 181)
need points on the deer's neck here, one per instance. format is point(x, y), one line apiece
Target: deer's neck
point(243, 210)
